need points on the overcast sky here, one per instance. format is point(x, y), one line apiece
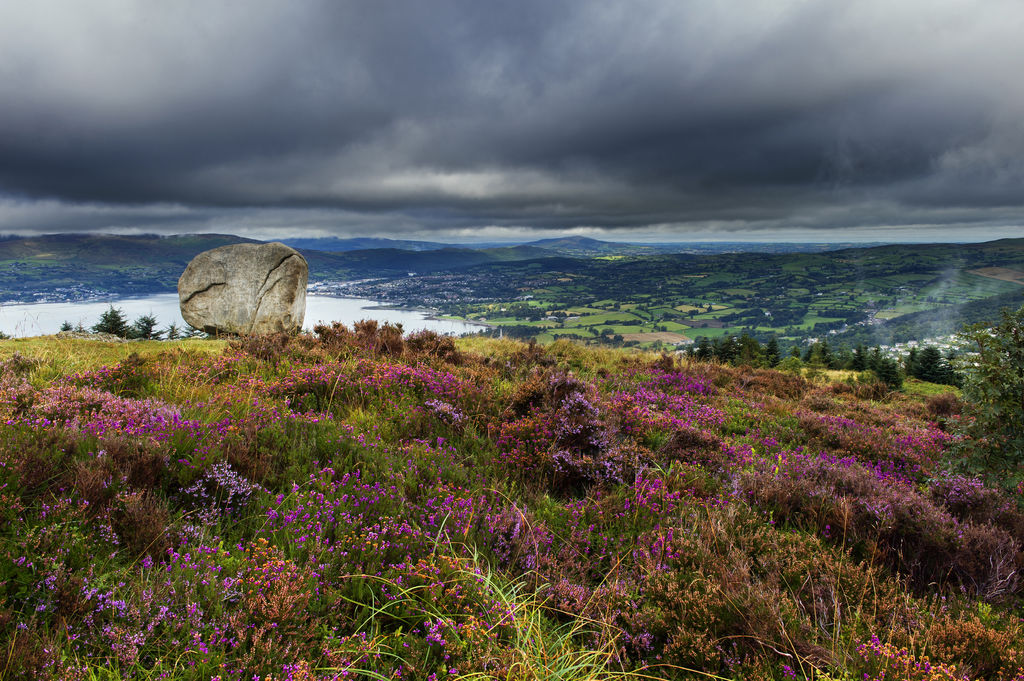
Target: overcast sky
point(453, 120)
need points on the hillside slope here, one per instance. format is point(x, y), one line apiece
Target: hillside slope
point(118, 264)
point(143, 264)
point(360, 505)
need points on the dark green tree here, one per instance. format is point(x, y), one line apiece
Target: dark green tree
point(66, 326)
point(808, 354)
point(113, 322)
point(825, 354)
point(791, 364)
point(172, 332)
point(888, 371)
point(931, 366)
point(860, 358)
point(705, 350)
point(993, 392)
point(874, 358)
point(910, 363)
point(885, 368)
point(750, 351)
point(772, 355)
point(819, 354)
point(727, 350)
point(842, 358)
point(144, 328)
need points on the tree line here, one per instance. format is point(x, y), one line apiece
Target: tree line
point(926, 364)
point(144, 327)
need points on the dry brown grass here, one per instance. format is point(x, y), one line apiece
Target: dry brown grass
point(663, 336)
point(59, 356)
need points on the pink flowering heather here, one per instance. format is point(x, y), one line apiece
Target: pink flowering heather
point(355, 505)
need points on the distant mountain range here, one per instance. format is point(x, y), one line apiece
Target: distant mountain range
point(112, 249)
point(75, 266)
point(79, 265)
point(86, 264)
point(335, 245)
point(581, 246)
point(573, 246)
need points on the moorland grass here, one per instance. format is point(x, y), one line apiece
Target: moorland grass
point(355, 504)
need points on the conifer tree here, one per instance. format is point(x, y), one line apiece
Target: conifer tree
point(910, 364)
point(771, 352)
point(751, 350)
point(825, 354)
point(888, 371)
point(113, 322)
point(144, 327)
point(860, 358)
point(705, 350)
point(931, 366)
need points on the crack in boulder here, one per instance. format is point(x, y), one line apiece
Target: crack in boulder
point(264, 290)
point(203, 290)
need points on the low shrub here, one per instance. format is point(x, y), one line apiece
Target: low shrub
point(885, 520)
point(347, 505)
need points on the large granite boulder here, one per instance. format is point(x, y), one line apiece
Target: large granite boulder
point(245, 289)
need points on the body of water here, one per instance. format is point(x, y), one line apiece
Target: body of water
point(39, 319)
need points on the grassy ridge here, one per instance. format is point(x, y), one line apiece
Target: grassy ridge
point(357, 504)
point(141, 264)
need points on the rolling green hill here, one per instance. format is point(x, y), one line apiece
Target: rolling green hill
point(334, 245)
point(879, 292)
point(144, 264)
point(578, 246)
point(113, 264)
point(111, 250)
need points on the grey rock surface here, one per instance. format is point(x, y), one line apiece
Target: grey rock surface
point(93, 336)
point(245, 289)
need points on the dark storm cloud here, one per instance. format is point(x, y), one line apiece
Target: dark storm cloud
point(460, 115)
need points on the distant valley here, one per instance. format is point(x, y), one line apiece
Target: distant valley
point(585, 289)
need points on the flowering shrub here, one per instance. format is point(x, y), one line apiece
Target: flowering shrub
point(366, 336)
point(220, 491)
point(359, 504)
point(445, 412)
point(874, 510)
point(968, 498)
point(132, 377)
point(886, 661)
